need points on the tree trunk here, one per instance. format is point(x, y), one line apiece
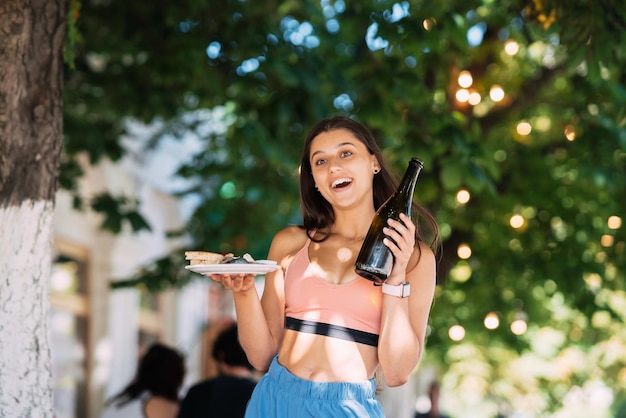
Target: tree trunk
point(32, 33)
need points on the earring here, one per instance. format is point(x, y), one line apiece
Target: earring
point(376, 171)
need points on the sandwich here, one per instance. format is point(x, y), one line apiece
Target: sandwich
point(207, 257)
point(203, 257)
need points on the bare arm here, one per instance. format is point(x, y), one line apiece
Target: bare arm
point(404, 320)
point(261, 321)
point(254, 331)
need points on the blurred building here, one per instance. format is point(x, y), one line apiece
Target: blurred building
point(98, 333)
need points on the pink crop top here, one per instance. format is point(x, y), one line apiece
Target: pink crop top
point(350, 311)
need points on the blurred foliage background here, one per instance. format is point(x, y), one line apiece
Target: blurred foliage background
point(517, 108)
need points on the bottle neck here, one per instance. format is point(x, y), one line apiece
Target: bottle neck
point(407, 185)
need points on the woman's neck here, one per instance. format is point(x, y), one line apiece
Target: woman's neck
point(352, 226)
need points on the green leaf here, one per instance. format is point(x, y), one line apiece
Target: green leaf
point(137, 222)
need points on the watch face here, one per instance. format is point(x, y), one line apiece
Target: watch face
point(406, 290)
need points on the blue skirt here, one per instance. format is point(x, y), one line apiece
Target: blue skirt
point(280, 394)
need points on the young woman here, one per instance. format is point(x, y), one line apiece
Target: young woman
point(153, 392)
point(319, 329)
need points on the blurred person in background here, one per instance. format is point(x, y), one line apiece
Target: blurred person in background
point(226, 395)
point(433, 395)
point(153, 392)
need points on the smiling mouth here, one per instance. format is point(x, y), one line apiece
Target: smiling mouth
point(341, 183)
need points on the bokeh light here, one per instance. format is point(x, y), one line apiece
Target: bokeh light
point(462, 196)
point(511, 47)
point(474, 98)
point(570, 133)
point(614, 222)
point(491, 320)
point(517, 221)
point(429, 23)
point(496, 93)
point(462, 95)
point(606, 240)
point(465, 79)
point(524, 128)
point(519, 327)
point(464, 251)
point(461, 272)
point(228, 190)
point(456, 333)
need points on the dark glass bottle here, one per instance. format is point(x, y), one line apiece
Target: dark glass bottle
point(375, 260)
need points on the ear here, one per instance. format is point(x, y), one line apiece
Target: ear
point(375, 164)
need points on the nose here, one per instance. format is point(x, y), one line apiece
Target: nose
point(335, 165)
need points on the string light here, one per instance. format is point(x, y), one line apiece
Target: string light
point(496, 93)
point(511, 47)
point(465, 79)
point(614, 222)
point(524, 128)
point(462, 95)
point(462, 196)
point(491, 320)
point(429, 23)
point(519, 327)
point(606, 240)
point(570, 133)
point(456, 333)
point(474, 98)
point(517, 221)
point(464, 251)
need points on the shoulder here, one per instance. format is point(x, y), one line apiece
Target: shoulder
point(199, 388)
point(158, 407)
point(288, 241)
point(425, 253)
point(423, 259)
point(291, 232)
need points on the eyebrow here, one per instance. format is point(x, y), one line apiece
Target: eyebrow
point(338, 146)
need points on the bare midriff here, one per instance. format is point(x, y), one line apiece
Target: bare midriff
point(319, 358)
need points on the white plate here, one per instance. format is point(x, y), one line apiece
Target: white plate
point(259, 267)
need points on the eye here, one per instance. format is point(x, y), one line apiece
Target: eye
point(319, 162)
point(346, 154)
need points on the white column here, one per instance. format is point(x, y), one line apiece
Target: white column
point(123, 338)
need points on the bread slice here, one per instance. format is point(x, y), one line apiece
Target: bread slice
point(204, 257)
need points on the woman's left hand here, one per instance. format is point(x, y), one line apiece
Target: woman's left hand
point(401, 241)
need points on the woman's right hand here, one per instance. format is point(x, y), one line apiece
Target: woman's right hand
point(235, 282)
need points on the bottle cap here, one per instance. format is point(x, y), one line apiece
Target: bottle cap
point(415, 160)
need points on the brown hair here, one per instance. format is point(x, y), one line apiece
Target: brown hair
point(317, 213)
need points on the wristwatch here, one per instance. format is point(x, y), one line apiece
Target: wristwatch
point(403, 290)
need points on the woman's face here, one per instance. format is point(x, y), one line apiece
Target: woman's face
point(342, 167)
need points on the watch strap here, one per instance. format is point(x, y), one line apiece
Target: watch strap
point(403, 290)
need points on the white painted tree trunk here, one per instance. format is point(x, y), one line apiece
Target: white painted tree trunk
point(25, 252)
point(32, 34)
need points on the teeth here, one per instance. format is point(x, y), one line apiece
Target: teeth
point(340, 181)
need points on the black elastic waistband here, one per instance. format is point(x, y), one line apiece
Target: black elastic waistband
point(330, 330)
